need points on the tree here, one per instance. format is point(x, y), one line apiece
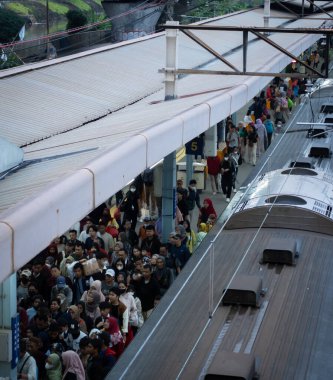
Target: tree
point(75, 19)
point(11, 24)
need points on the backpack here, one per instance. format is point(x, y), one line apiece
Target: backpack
point(284, 103)
point(290, 103)
point(148, 177)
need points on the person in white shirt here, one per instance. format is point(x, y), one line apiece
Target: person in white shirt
point(128, 300)
point(26, 367)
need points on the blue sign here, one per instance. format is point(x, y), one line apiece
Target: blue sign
point(195, 146)
point(15, 325)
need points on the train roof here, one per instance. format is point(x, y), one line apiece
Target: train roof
point(271, 260)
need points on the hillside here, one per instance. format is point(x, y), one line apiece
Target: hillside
point(36, 9)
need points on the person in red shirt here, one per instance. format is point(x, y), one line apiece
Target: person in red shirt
point(213, 165)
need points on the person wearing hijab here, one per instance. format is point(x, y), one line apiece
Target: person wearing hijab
point(92, 299)
point(97, 287)
point(202, 232)
point(73, 367)
point(262, 137)
point(243, 140)
point(206, 210)
point(53, 367)
point(117, 340)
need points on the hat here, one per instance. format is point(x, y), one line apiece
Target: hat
point(49, 260)
point(146, 260)
point(181, 230)
point(26, 273)
point(110, 272)
point(94, 331)
point(61, 282)
point(73, 327)
point(58, 348)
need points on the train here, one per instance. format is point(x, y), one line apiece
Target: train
point(255, 301)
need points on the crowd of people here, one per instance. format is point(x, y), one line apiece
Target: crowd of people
point(249, 138)
point(83, 299)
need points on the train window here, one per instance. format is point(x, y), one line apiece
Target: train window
point(300, 171)
point(286, 200)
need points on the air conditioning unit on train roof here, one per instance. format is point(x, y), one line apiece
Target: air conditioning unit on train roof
point(232, 365)
point(243, 290)
point(317, 133)
point(302, 162)
point(320, 149)
point(280, 251)
point(329, 119)
point(326, 108)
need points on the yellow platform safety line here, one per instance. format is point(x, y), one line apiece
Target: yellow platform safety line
point(180, 154)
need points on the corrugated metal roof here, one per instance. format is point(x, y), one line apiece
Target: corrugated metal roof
point(56, 98)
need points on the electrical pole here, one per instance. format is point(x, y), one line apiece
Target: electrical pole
point(47, 30)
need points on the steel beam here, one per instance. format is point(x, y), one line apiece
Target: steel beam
point(245, 45)
point(208, 48)
point(228, 28)
point(246, 73)
point(299, 18)
point(260, 33)
point(285, 7)
point(312, 5)
point(326, 59)
point(286, 52)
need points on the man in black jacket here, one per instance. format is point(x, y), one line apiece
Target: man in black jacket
point(81, 283)
point(147, 289)
point(151, 243)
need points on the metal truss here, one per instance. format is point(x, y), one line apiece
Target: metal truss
point(261, 33)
